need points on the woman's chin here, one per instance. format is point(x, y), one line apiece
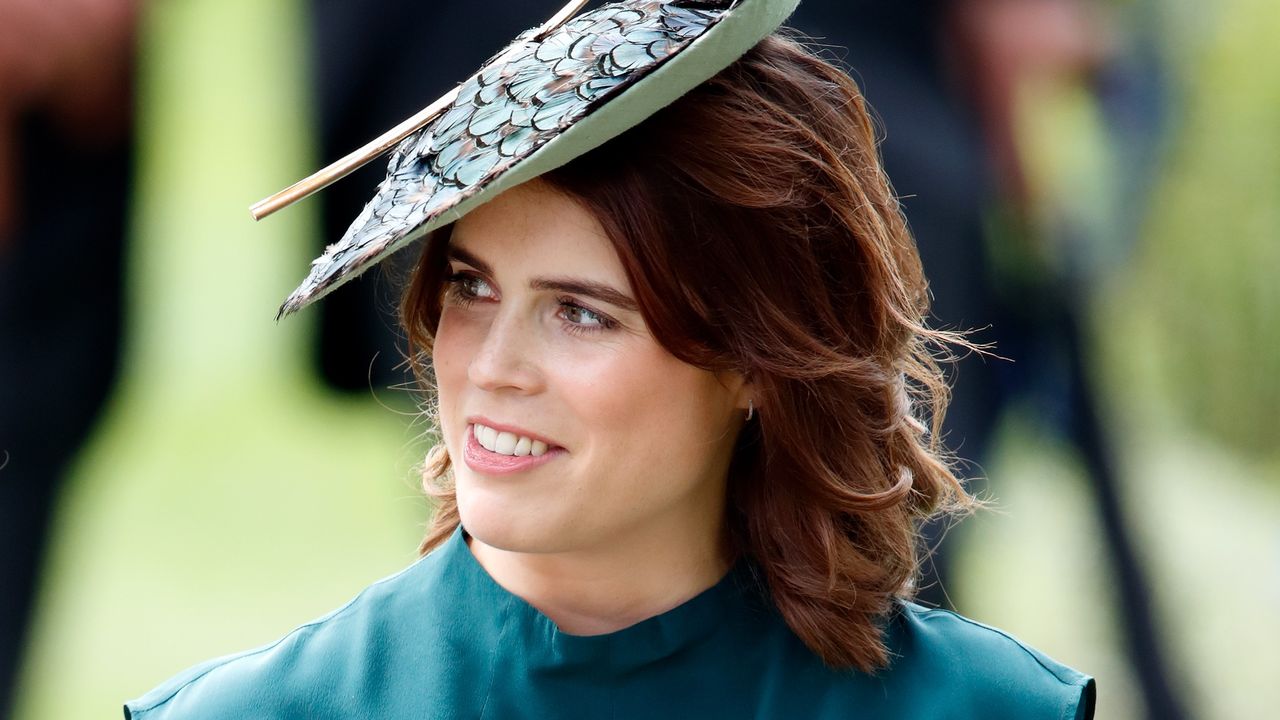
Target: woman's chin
point(500, 525)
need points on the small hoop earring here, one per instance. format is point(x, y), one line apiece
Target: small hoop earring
point(751, 409)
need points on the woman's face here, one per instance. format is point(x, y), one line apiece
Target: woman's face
point(539, 337)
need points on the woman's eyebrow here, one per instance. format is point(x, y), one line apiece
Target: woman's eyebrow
point(587, 288)
point(457, 253)
point(575, 286)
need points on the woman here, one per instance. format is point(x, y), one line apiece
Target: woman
point(680, 384)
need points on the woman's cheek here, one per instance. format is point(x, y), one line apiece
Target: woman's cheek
point(457, 335)
point(449, 363)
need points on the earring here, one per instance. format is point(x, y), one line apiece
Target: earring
point(751, 409)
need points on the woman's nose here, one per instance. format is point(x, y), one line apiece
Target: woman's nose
point(505, 357)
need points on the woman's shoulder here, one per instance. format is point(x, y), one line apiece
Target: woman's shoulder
point(330, 652)
point(976, 670)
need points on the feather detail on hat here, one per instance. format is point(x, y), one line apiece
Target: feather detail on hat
point(518, 102)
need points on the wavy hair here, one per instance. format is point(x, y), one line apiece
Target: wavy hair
point(760, 235)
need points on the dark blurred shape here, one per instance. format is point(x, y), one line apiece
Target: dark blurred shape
point(65, 173)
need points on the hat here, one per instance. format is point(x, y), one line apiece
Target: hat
point(553, 94)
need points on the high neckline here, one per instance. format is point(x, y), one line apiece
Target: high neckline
point(545, 645)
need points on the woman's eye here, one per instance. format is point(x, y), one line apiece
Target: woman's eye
point(581, 315)
point(465, 288)
point(580, 319)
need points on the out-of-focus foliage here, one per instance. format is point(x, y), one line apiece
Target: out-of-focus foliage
point(1176, 224)
point(1208, 274)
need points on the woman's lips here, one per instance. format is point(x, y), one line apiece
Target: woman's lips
point(491, 463)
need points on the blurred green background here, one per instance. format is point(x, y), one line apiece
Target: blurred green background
point(226, 498)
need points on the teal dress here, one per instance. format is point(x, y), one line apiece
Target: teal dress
point(441, 639)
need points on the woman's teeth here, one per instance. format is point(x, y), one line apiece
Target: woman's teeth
point(505, 443)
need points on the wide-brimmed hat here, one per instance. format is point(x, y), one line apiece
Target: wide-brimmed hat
point(556, 92)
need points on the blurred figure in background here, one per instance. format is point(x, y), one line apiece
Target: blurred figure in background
point(65, 167)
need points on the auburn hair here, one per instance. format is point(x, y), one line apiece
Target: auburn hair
point(760, 235)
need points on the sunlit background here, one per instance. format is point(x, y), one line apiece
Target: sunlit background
point(225, 496)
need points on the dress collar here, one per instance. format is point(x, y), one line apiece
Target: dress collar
point(482, 601)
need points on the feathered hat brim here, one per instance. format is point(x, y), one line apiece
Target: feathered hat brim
point(546, 99)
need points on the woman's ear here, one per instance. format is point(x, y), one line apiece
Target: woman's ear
point(744, 389)
point(749, 397)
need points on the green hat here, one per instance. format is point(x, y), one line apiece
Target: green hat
point(552, 95)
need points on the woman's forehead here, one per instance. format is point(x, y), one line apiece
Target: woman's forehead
point(534, 226)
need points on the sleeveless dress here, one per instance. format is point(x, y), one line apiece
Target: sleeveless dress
point(442, 640)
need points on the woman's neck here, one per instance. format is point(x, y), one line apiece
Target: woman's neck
point(602, 590)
